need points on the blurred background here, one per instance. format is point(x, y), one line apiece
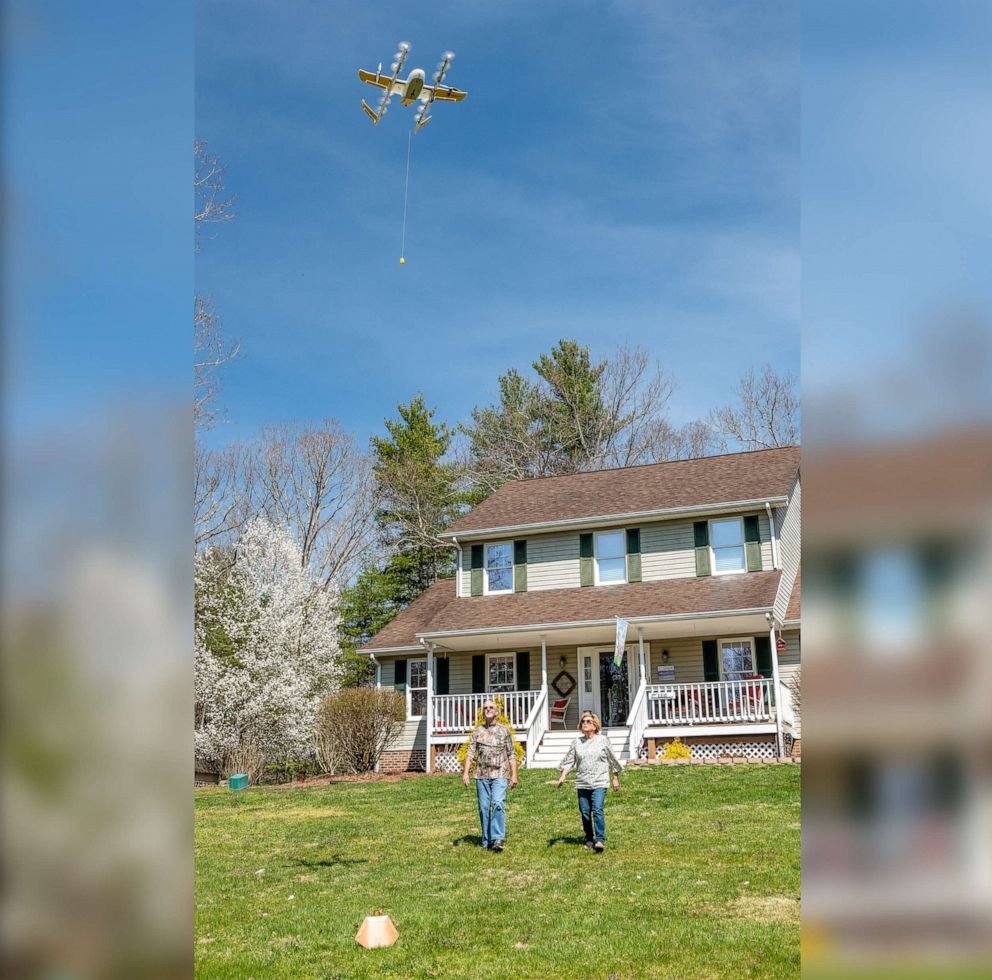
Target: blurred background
point(897, 467)
point(96, 690)
point(97, 576)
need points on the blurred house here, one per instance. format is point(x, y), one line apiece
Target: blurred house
point(897, 842)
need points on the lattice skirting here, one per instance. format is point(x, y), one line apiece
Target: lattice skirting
point(756, 747)
point(446, 758)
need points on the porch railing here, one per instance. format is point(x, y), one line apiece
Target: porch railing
point(455, 713)
point(637, 720)
point(711, 701)
point(788, 707)
point(537, 725)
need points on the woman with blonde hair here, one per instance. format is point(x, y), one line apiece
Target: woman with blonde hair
point(593, 760)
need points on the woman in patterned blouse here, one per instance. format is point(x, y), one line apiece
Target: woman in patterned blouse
point(593, 760)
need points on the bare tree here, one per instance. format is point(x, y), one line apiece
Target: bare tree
point(689, 441)
point(578, 415)
point(636, 394)
point(221, 505)
point(313, 480)
point(210, 352)
point(211, 204)
point(766, 414)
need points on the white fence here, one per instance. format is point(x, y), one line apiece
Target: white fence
point(711, 701)
point(458, 712)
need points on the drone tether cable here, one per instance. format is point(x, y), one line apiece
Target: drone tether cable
point(406, 193)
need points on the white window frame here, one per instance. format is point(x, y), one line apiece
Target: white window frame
point(729, 571)
point(410, 688)
point(513, 665)
point(737, 639)
point(485, 568)
point(622, 556)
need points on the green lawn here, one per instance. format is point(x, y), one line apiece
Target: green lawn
point(700, 879)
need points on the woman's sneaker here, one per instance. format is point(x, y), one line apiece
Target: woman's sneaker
point(599, 847)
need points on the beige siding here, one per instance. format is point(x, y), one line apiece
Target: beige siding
point(789, 545)
point(414, 734)
point(667, 551)
point(553, 562)
point(685, 655)
point(788, 663)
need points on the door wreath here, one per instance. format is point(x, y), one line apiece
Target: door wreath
point(564, 683)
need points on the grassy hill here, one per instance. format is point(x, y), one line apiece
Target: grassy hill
point(700, 879)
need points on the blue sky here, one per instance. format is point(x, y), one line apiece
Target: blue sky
point(619, 173)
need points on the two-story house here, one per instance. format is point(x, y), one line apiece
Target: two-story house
point(700, 557)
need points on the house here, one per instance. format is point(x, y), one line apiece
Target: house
point(699, 556)
point(897, 807)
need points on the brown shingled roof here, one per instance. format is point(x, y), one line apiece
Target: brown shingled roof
point(636, 489)
point(438, 611)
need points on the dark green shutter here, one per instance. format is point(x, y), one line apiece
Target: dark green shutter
point(399, 675)
point(711, 661)
point(520, 566)
point(585, 560)
point(763, 655)
point(477, 569)
point(701, 537)
point(633, 554)
point(441, 675)
point(523, 671)
point(752, 543)
point(478, 673)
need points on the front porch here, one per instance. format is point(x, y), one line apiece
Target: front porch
point(714, 682)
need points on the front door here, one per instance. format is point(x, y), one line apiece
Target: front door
point(614, 691)
point(589, 682)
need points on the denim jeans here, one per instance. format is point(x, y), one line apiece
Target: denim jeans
point(492, 809)
point(593, 819)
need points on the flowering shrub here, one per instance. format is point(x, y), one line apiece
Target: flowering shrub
point(502, 719)
point(265, 643)
point(676, 750)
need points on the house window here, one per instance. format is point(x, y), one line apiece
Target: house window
point(611, 561)
point(737, 658)
point(416, 689)
point(499, 567)
point(727, 542)
point(501, 674)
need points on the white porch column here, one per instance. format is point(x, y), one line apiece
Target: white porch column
point(430, 701)
point(544, 663)
point(640, 650)
point(780, 742)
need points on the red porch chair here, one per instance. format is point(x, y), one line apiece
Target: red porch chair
point(558, 709)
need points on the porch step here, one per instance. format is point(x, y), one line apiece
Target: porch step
point(555, 744)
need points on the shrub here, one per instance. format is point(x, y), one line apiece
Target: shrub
point(355, 725)
point(676, 750)
point(245, 757)
point(502, 719)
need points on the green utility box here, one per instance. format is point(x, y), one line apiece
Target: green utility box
point(238, 781)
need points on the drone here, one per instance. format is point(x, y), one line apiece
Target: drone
point(410, 89)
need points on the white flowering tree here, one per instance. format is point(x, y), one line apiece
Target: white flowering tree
point(265, 649)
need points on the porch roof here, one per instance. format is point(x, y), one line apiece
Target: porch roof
point(437, 613)
point(635, 491)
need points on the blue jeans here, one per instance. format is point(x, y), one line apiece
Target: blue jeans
point(593, 819)
point(492, 809)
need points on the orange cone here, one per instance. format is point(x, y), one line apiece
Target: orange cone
point(376, 931)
